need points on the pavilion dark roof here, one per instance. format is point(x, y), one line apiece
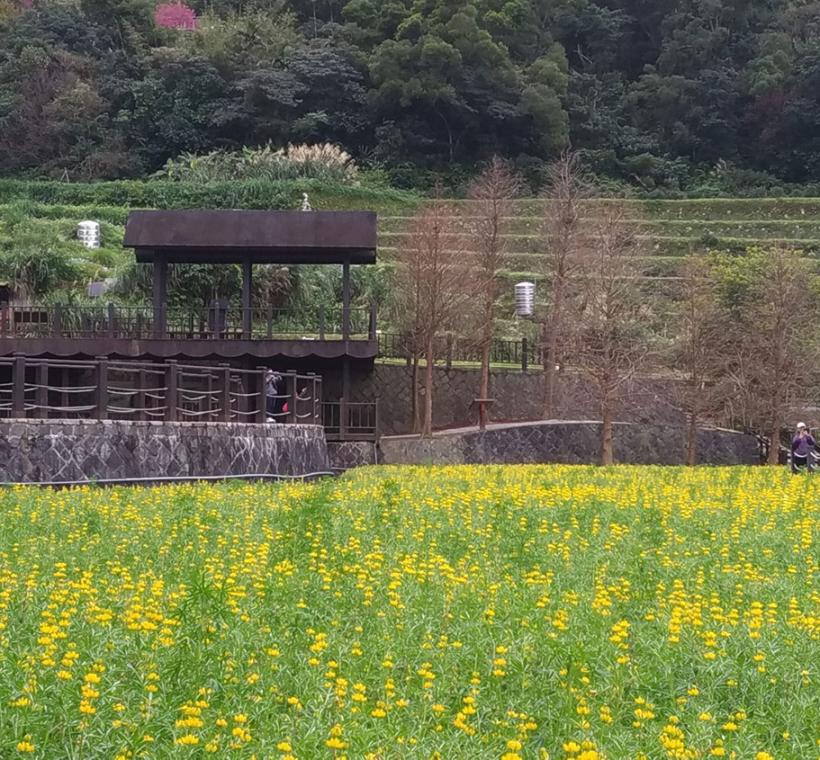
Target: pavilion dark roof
point(264, 237)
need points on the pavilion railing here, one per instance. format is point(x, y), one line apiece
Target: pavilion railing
point(124, 390)
point(350, 421)
point(214, 323)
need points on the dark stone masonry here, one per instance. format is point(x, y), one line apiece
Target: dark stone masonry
point(36, 451)
point(518, 397)
point(569, 443)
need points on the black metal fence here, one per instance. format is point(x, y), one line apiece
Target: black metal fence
point(216, 322)
point(519, 353)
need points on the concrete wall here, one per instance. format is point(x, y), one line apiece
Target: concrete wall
point(33, 451)
point(570, 443)
point(518, 397)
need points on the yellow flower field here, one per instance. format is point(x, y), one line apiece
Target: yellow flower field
point(560, 612)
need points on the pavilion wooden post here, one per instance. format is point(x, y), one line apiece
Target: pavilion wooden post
point(160, 293)
point(346, 299)
point(247, 314)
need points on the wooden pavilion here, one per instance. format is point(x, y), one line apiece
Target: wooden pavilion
point(244, 336)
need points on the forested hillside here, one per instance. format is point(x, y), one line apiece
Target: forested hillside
point(698, 95)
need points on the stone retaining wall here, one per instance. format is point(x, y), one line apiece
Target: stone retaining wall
point(569, 443)
point(36, 451)
point(345, 455)
point(518, 397)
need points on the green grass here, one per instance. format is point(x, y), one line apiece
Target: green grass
point(518, 612)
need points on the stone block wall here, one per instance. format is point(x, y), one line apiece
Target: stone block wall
point(518, 397)
point(345, 455)
point(59, 451)
point(570, 443)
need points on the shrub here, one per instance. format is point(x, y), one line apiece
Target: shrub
point(325, 162)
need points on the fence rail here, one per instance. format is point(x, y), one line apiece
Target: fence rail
point(215, 323)
point(106, 389)
point(450, 349)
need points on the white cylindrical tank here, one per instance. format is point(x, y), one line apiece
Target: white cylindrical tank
point(524, 299)
point(88, 233)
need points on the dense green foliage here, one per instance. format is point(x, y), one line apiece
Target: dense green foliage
point(716, 96)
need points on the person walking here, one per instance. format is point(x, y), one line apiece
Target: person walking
point(803, 445)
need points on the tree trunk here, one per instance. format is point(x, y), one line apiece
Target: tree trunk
point(607, 457)
point(551, 328)
point(415, 417)
point(692, 439)
point(774, 443)
point(427, 428)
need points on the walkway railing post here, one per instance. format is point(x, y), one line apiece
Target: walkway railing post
point(18, 386)
point(524, 355)
point(322, 322)
point(171, 384)
point(343, 419)
point(262, 395)
point(294, 394)
point(140, 396)
point(225, 388)
point(112, 320)
point(102, 388)
point(57, 321)
point(42, 390)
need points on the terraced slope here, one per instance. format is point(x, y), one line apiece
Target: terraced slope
point(673, 229)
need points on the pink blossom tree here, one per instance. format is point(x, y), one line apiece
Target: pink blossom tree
point(175, 16)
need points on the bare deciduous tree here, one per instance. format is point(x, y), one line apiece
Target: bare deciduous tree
point(563, 228)
point(776, 338)
point(492, 193)
point(700, 343)
point(434, 289)
point(611, 342)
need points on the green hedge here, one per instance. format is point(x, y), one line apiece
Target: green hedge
point(164, 194)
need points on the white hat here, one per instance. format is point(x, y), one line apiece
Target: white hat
point(801, 425)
